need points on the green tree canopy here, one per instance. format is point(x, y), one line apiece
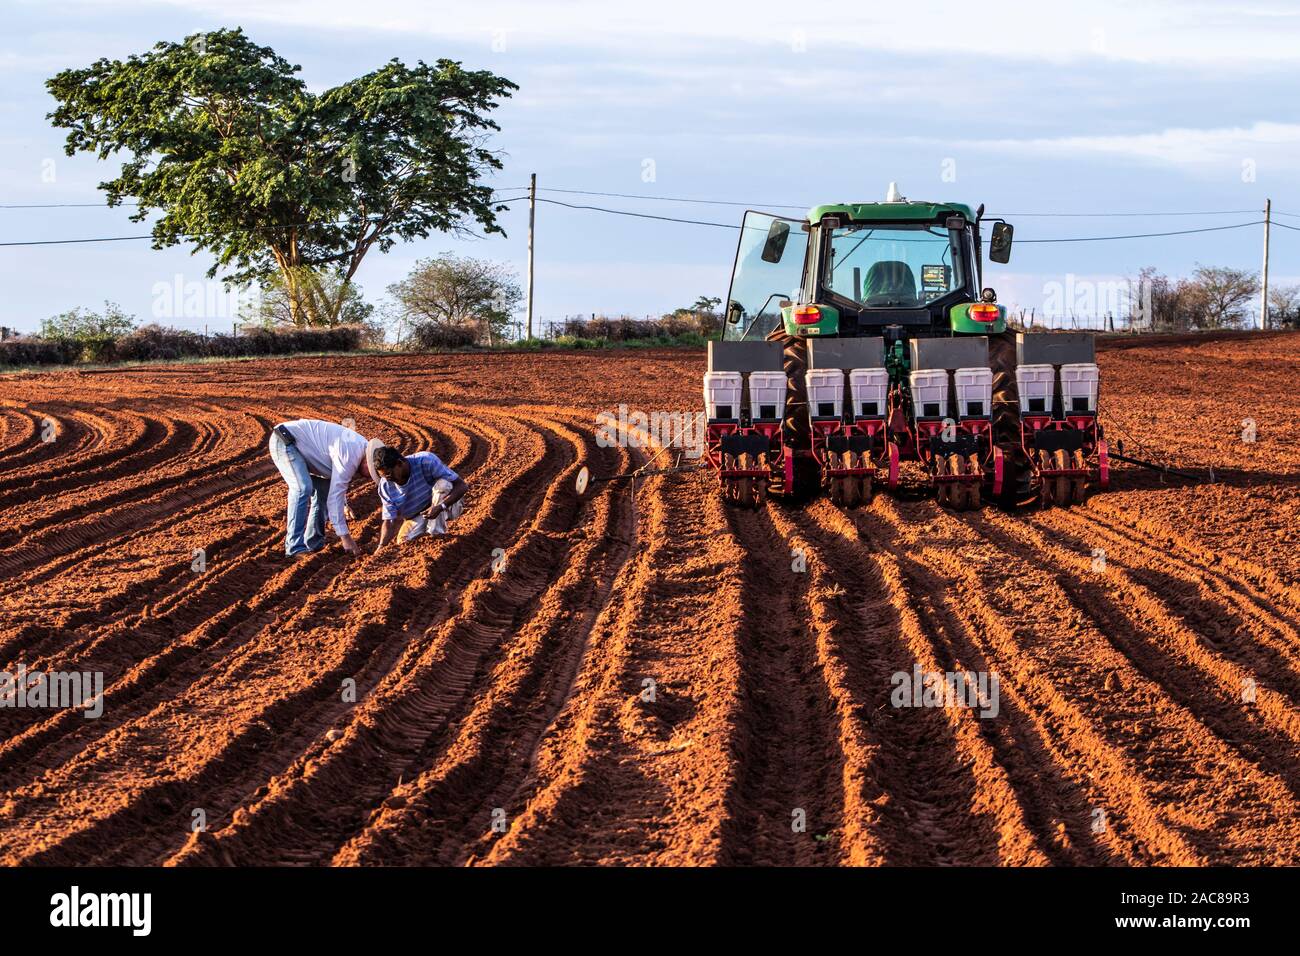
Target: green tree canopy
point(83, 325)
point(458, 292)
point(242, 161)
point(313, 292)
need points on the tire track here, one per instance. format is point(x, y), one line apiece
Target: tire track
point(940, 786)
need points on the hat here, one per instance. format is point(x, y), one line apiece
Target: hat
point(371, 447)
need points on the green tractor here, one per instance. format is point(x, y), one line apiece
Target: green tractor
point(862, 338)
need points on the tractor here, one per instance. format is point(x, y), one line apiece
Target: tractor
point(862, 338)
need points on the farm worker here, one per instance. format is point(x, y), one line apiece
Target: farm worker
point(318, 461)
point(419, 488)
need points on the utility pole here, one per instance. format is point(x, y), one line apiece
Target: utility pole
point(1263, 289)
point(532, 218)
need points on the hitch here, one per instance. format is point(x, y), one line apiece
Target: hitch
point(585, 478)
point(1118, 455)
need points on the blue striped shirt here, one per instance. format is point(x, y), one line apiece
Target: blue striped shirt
point(410, 499)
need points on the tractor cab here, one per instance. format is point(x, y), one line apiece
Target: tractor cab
point(859, 268)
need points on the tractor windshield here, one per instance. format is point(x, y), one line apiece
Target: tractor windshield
point(769, 268)
point(895, 266)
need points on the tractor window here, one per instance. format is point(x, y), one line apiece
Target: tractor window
point(769, 268)
point(894, 266)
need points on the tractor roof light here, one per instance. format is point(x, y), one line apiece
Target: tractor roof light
point(807, 315)
point(984, 312)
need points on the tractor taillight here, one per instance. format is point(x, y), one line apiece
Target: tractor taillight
point(807, 315)
point(983, 312)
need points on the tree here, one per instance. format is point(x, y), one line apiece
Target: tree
point(244, 162)
point(95, 332)
point(1224, 292)
point(83, 325)
point(313, 292)
point(707, 304)
point(1284, 304)
point(458, 292)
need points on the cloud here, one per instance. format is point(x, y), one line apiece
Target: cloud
point(1263, 144)
point(1155, 31)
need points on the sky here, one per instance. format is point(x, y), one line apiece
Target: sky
point(1045, 113)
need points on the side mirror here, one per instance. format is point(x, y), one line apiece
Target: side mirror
point(774, 247)
point(1000, 243)
point(735, 312)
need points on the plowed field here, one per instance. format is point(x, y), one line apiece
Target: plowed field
point(1147, 644)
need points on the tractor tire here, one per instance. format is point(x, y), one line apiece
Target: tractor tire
point(1006, 419)
point(798, 429)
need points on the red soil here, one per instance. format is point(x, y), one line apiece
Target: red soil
point(517, 696)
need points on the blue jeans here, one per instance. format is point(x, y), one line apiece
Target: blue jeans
point(307, 492)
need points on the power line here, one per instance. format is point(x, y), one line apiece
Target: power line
point(640, 215)
point(64, 205)
point(1140, 215)
point(748, 205)
point(64, 242)
point(1149, 235)
point(758, 205)
point(100, 205)
point(693, 222)
point(703, 202)
point(183, 235)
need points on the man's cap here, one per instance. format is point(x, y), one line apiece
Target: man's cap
point(371, 447)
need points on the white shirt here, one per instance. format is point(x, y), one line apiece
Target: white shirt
point(334, 452)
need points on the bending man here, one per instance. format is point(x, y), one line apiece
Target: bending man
point(318, 460)
point(416, 487)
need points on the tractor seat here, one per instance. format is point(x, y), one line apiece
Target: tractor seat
point(890, 283)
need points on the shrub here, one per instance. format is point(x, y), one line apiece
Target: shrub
point(153, 343)
point(430, 335)
point(39, 352)
point(624, 329)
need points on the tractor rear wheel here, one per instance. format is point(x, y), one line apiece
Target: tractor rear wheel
point(1006, 418)
point(798, 430)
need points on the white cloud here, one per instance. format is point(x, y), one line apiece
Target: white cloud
point(989, 34)
point(1264, 144)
